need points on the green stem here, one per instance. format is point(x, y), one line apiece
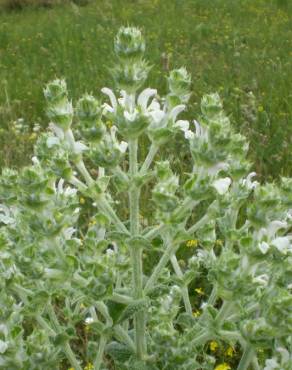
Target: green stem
point(185, 292)
point(213, 296)
point(255, 363)
point(246, 358)
point(149, 159)
point(120, 298)
point(155, 231)
point(109, 211)
point(136, 253)
point(66, 346)
point(124, 337)
point(201, 339)
point(170, 250)
point(224, 311)
point(42, 322)
point(99, 357)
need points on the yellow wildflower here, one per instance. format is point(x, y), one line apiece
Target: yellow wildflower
point(223, 366)
point(199, 291)
point(230, 351)
point(81, 200)
point(193, 243)
point(213, 346)
point(71, 368)
point(260, 108)
point(219, 243)
point(32, 136)
point(89, 366)
point(196, 313)
point(91, 223)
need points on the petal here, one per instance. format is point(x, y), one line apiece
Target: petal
point(79, 147)
point(144, 97)
point(222, 185)
point(123, 146)
point(182, 124)
point(274, 226)
point(154, 105)
point(176, 111)
point(112, 97)
point(264, 247)
point(282, 243)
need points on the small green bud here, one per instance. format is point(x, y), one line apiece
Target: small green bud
point(131, 77)
point(211, 105)
point(179, 82)
point(129, 43)
point(56, 91)
point(88, 109)
point(61, 114)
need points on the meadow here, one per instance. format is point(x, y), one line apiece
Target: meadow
point(242, 49)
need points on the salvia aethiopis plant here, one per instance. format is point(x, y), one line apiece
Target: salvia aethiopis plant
point(118, 291)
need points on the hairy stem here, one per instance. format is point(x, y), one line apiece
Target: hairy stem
point(124, 337)
point(149, 159)
point(99, 356)
point(246, 358)
point(66, 346)
point(136, 253)
point(170, 250)
point(185, 292)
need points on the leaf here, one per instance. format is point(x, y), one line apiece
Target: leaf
point(119, 352)
point(133, 308)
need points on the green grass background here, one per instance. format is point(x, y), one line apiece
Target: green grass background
point(230, 46)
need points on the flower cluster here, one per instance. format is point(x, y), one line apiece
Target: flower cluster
point(112, 292)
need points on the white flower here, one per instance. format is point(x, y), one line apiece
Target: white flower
point(5, 215)
point(35, 160)
point(271, 364)
point(201, 132)
point(51, 141)
point(264, 247)
point(123, 146)
point(282, 243)
point(274, 226)
point(248, 183)
point(89, 320)
point(113, 100)
point(184, 125)
point(131, 116)
point(57, 131)
point(222, 185)
point(285, 356)
point(214, 170)
point(79, 147)
point(261, 280)
point(144, 97)
point(69, 232)
point(3, 346)
point(68, 192)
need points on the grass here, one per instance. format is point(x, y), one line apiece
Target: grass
point(233, 47)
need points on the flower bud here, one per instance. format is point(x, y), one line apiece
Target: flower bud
point(211, 105)
point(179, 82)
point(129, 43)
point(88, 111)
point(56, 91)
point(61, 114)
point(164, 191)
point(131, 77)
